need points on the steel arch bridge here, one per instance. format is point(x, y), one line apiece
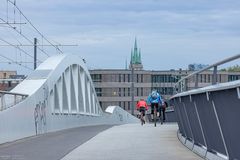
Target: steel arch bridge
point(59, 94)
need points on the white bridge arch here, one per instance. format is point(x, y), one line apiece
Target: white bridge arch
point(59, 94)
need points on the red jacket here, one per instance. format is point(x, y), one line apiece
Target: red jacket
point(142, 104)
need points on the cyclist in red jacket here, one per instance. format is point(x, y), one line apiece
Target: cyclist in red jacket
point(142, 107)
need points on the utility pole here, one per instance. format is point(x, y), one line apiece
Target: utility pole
point(35, 54)
point(132, 88)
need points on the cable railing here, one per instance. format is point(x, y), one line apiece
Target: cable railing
point(9, 99)
point(183, 84)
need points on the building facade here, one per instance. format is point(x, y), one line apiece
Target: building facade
point(113, 86)
point(9, 79)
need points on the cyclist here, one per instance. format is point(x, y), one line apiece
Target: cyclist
point(142, 107)
point(162, 110)
point(154, 99)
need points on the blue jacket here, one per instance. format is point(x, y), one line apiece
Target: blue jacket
point(151, 100)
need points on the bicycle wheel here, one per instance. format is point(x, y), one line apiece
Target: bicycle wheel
point(141, 118)
point(161, 119)
point(155, 116)
point(161, 116)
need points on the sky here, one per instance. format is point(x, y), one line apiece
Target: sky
point(171, 33)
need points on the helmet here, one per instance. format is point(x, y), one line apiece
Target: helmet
point(154, 94)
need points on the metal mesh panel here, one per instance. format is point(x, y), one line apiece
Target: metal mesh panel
point(193, 120)
point(186, 125)
point(228, 109)
point(209, 122)
point(179, 118)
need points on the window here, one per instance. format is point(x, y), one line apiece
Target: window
point(98, 91)
point(96, 77)
point(119, 78)
point(124, 92)
point(209, 78)
point(141, 91)
point(4, 75)
point(119, 92)
point(9, 84)
point(128, 91)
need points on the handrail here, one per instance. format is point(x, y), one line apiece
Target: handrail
point(13, 93)
point(15, 98)
point(209, 67)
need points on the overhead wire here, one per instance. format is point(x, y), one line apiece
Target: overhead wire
point(17, 47)
point(12, 61)
point(35, 27)
point(19, 31)
point(23, 36)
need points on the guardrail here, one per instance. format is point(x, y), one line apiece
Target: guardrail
point(207, 117)
point(208, 120)
point(181, 85)
point(9, 99)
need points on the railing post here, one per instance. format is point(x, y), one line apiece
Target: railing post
point(1, 107)
point(186, 84)
point(15, 99)
point(214, 81)
point(196, 81)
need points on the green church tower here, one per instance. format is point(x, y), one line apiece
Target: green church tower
point(136, 58)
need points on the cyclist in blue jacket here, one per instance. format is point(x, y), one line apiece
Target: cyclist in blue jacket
point(155, 100)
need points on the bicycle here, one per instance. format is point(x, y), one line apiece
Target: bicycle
point(141, 118)
point(162, 113)
point(161, 119)
point(142, 109)
point(155, 115)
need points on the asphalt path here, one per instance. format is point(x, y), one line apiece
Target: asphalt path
point(50, 146)
point(134, 142)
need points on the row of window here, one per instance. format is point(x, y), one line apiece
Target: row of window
point(165, 78)
point(121, 92)
point(117, 78)
point(139, 78)
point(233, 77)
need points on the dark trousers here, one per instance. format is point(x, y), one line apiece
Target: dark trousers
point(162, 112)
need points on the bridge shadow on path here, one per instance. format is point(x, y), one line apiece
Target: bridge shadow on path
point(50, 146)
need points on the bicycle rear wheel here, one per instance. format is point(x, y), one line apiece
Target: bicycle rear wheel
point(155, 116)
point(141, 118)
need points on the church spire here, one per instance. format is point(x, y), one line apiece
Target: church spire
point(135, 44)
point(136, 57)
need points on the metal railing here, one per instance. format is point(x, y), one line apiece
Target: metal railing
point(182, 84)
point(9, 99)
point(207, 118)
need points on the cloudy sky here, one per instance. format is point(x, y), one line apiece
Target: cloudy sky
point(170, 33)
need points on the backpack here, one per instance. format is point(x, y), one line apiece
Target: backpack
point(154, 95)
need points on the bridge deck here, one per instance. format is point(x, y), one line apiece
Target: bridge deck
point(134, 142)
point(50, 146)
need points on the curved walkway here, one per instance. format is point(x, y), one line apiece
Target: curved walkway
point(134, 142)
